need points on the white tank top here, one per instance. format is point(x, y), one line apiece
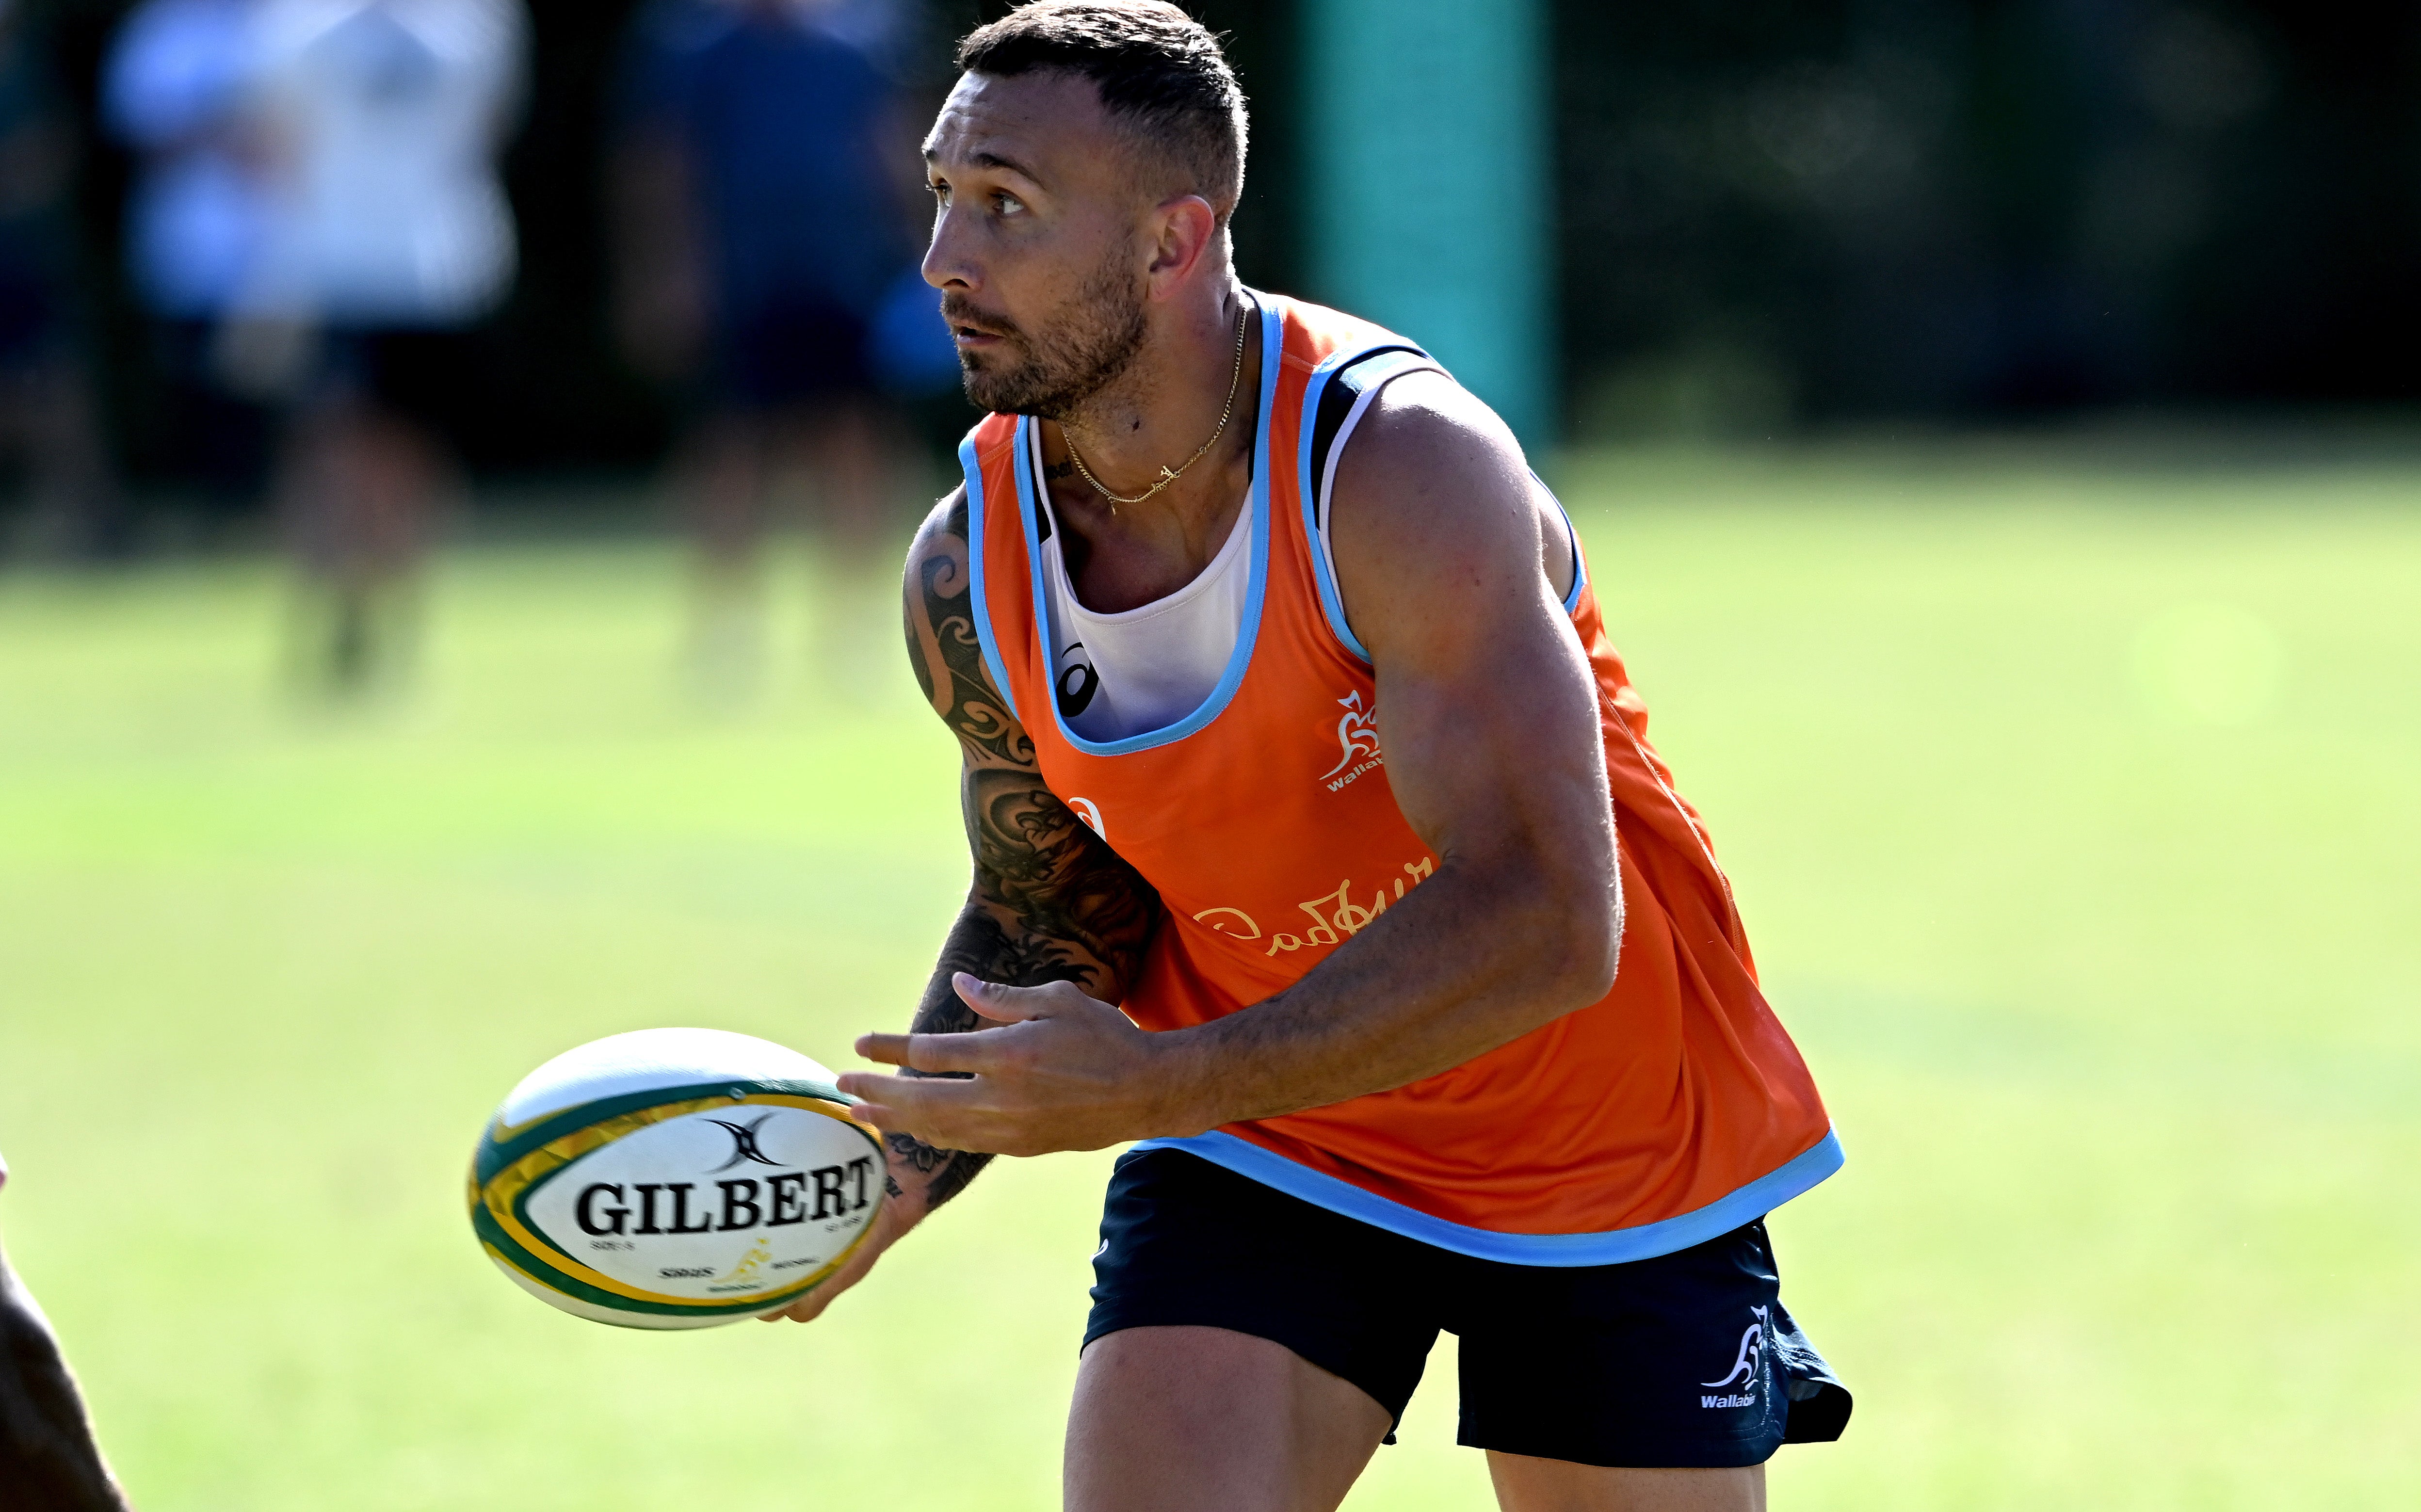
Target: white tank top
point(1145, 668)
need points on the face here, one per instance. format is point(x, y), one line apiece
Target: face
point(1037, 242)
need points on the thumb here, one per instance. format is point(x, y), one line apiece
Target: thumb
point(1001, 1003)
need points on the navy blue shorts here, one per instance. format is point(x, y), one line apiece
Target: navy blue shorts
point(1687, 1360)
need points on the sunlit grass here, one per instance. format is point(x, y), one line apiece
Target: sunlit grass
point(2071, 804)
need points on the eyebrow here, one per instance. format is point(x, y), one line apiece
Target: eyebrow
point(993, 160)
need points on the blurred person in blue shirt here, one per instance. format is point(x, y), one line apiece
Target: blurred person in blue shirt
point(177, 89)
point(766, 180)
point(48, 419)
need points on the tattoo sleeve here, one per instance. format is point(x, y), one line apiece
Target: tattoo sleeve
point(1051, 901)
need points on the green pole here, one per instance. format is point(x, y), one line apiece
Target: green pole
point(1430, 207)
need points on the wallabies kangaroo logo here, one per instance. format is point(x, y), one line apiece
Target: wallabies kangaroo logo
point(1357, 733)
point(1752, 1345)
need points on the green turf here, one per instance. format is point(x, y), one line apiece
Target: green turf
point(2072, 806)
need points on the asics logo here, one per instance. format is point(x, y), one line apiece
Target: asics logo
point(1077, 682)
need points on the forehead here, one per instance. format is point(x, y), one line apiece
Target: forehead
point(1049, 123)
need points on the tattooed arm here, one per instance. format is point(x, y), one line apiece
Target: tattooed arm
point(1050, 902)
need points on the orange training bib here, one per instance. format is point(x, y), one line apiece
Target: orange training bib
point(1673, 1109)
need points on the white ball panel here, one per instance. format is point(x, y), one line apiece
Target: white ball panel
point(714, 1206)
point(645, 1059)
point(577, 1308)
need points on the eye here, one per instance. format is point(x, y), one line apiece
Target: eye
point(940, 191)
point(1008, 204)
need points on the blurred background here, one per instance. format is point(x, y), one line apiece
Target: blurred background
point(454, 455)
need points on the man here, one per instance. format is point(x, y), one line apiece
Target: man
point(176, 92)
point(763, 219)
point(49, 423)
point(47, 1460)
point(388, 242)
point(1304, 745)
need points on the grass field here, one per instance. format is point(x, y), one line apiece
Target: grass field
point(2072, 805)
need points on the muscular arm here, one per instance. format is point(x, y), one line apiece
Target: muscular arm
point(1050, 901)
point(1487, 712)
point(1451, 566)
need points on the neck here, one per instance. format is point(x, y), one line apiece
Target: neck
point(1166, 406)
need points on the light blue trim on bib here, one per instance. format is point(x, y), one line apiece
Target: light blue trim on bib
point(1273, 353)
point(1331, 604)
point(1613, 1247)
point(1573, 534)
point(973, 470)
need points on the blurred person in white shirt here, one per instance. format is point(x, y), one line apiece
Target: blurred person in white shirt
point(386, 237)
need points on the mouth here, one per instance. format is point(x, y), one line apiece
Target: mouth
point(969, 335)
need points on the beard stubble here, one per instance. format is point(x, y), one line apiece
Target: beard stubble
point(1050, 372)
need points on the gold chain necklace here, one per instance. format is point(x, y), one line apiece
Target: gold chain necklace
point(1167, 475)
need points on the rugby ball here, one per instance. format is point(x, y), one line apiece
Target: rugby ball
point(675, 1179)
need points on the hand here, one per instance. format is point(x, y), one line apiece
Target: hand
point(903, 1207)
point(1064, 1072)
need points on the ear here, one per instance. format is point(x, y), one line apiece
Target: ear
point(1183, 231)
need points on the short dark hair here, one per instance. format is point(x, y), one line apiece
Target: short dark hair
point(1154, 65)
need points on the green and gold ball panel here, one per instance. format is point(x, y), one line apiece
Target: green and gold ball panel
point(675, 1179)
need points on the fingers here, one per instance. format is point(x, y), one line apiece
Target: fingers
point(890, 1050)
point(937, 1054)
point(897, 1105)
point(951, 1115)
point(811, 1306)
point(1002, 1003)
point(805, 1310)
point(977, 1050)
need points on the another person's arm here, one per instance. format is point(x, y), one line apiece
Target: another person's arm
point(1488, 712)
point(1050, 901)
point(47, 1460)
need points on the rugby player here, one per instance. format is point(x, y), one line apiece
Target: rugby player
point(1291, 727)
point(47, 1460)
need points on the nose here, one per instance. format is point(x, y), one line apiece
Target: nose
point(948, 263)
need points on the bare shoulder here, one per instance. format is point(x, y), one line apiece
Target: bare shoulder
point(1434, 508)
point(946, 519)
point(944, 646)
point(937, 576)
point(1429, 438)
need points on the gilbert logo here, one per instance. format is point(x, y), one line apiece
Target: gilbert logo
point(1357, 735)
point(1738, 1387)
point(1090, 812)
point(743, 1143)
